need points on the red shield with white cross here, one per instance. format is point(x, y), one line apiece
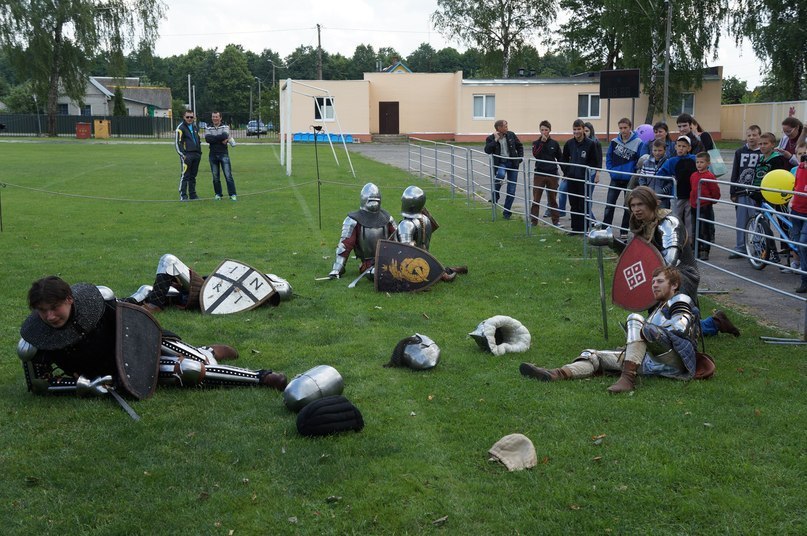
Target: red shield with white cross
point(634, 274)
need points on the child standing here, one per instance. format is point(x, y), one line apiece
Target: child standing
point(709, 193)
point(798, 208)
point(661, 185)
point(681, 166)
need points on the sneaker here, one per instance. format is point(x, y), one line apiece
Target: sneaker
point(802, 289)
point(183, 198)
point(735, 255)
point(785, 270)
point(506, 216)
point(194, 197)
point(217, 198)
point(233, 198)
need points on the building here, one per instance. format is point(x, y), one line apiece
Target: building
point(444, 106)
point(99, 99)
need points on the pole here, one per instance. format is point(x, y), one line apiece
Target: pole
point(317, 128)
point(259, 107)
point(667, 60)
point(319, 54)
point(602, 293)
point(250, 102)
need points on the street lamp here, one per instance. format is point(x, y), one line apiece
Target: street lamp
point(259, 107)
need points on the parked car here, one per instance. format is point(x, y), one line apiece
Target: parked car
point(253, 130)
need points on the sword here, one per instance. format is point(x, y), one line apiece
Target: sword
point(126, 407)
point(353, 283)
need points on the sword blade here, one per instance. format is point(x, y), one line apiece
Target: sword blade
point(353, 283)
point(126, 407)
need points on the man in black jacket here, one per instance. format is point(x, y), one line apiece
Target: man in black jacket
point(580, 151)
point(188, 147)
point(547, 154)
point(508, 152)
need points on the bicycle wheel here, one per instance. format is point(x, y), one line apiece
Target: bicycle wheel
point(756, 244)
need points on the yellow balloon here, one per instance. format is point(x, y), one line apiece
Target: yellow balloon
point(780, 179)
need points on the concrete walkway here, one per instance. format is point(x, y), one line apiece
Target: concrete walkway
point(769, 308)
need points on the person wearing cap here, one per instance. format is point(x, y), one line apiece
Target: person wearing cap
point(681, 166)
point(663, 344)
point(69, 343)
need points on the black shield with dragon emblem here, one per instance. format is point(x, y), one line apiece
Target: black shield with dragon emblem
point(404, 268)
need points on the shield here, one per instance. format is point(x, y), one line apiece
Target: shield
point(634, 274)
point(138, 339)
point(234, 287)
point(404, 268)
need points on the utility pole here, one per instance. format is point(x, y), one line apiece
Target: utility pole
point(319, 54)
point(667, 60)
point(259, 107)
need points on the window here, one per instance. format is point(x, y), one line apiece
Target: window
point(588, 105)
point(61, 109)
point(323, 109)
point(86, 110)
point(484, 106)
point(685, 106)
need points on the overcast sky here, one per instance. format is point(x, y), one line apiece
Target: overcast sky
point(283, 26)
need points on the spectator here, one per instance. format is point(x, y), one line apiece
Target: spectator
point(798, 208)
point(507, 152)
point(706, 194)
point(622, 156)
point(699, 141)
point(660, 132)
point(218, 136)
point(547, 154)
point(593, 174)
point(769, 160)
point(651, 164)
point(792, 129)
point(581, 152)
point(742, 175)
point(189, 148)
point(681, 166)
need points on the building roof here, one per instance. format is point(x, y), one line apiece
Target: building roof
point(159, 97)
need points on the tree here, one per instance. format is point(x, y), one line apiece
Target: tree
point(52, 42)
point(502, 25)
point(597, 31)
point(733, 90)
point(421, 60)
point(363, 61)
point(20, 100)
point(119, 108)
point(228, 84)
point(777, 33)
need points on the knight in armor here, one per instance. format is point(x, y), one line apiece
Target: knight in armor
point(178, 285)
point(663, 344)
point(70, 344)
point(361, 231)
point(663, 230)
point(417, 225)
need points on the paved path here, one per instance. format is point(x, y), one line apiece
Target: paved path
point(768, 307)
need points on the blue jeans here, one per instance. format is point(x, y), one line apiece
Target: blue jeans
point(614, 190)
point(512, 183)
point(590, 185)
point(221, 160)
point(562, 189)
point(799, 234)
point(744, 211)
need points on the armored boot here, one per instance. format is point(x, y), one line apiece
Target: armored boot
point(223, 352)
point(627, 381)
point(544, 375)
point(275, 380)
point(724, 325)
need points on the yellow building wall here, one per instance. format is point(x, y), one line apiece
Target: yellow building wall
point(426, 101)
point(736, 118)
point(350, 97)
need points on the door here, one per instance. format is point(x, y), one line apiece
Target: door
point(388, 118)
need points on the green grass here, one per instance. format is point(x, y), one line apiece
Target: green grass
point(724, 456)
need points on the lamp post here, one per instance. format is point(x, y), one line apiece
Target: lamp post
point(250, 103)
point(259, 107)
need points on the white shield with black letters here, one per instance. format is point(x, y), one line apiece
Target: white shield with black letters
point(234, 287)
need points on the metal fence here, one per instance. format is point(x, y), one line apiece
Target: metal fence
point(26, 125)
point(470, 172)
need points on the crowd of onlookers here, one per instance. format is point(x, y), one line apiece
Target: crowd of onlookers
point(681, 172)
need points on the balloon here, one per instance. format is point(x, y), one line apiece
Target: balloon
point(780, 179)
point(645, 133)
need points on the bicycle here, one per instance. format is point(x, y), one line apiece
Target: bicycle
point(760, 244)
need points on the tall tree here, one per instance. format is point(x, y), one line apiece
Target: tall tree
point(119, 107)
point(733, 91)
point(51, 42)
point(228, 85)
point(597, 30)
point(421, 59)
point(776, 30)
point(502, 25)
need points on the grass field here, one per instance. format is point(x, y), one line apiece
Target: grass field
point(724, 456)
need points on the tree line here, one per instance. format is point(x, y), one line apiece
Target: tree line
point(51, 47)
